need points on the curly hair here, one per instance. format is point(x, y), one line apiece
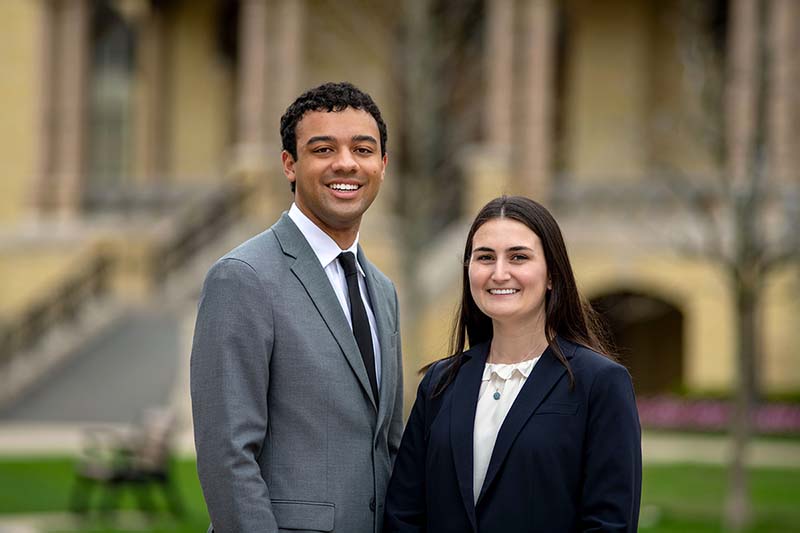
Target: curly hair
point(328, 97)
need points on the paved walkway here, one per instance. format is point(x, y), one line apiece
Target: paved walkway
point(662, 448)
point(113, 378)
point(36, 523)
point(36, 439)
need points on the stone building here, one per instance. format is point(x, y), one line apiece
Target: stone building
point(131, 126)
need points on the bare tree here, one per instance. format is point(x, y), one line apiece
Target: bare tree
point(750, 214)
point(437, 73)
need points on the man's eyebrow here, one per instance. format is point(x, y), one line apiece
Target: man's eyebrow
point(364, 138)
point(320, 138)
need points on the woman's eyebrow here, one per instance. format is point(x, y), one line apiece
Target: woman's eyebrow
point(517, 248)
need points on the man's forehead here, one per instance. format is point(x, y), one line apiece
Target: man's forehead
point(320, 120)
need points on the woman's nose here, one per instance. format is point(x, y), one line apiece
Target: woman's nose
point(500, 272)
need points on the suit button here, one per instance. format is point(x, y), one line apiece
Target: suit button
point(372, 504)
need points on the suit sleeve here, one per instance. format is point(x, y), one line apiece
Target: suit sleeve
point(396, 423)
point(612, 482)
point(229, 383)
point(405, 499)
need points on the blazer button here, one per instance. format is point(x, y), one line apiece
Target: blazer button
point(372, 504)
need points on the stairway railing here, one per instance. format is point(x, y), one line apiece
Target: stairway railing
point(62, 306)
point(198, 227)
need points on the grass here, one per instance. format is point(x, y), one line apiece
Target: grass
point(675, 498)
point(29, 486)
point(689, 498)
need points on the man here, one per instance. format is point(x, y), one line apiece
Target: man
point(296, 374)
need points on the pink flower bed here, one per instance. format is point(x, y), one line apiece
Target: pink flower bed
point(672, 412)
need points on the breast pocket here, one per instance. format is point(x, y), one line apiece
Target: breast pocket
point(303, 516)
point(558, 408)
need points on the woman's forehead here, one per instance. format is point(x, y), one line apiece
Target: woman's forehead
point(504, 233)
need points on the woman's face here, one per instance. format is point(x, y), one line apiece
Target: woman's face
point(507, 273)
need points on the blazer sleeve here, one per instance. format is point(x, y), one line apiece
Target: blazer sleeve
point(396, 423)
point(229, 380)
point(612, 483)
point(405, 499)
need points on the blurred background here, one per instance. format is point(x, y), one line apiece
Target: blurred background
point(139, 142)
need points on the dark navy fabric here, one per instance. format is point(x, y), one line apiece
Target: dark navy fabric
point(565, 459)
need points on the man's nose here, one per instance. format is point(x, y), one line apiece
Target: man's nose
point(345, 162)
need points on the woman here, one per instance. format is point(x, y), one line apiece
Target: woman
point(531, 429)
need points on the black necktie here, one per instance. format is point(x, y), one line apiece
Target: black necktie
point(358, 315)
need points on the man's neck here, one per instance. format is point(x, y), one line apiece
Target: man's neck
point(343, 237)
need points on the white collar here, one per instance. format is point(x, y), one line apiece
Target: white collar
point(506, 370)
point(325, 248)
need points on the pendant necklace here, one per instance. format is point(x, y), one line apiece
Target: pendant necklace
point(497, 393)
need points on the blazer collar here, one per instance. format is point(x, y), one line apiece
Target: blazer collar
point(547, 372)
point(307, 268)
point(465, 400)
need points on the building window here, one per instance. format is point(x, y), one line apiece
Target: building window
point(111, 95)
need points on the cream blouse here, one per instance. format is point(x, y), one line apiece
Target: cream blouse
point(500, 386)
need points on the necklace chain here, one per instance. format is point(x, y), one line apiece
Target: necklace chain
point(528, 356)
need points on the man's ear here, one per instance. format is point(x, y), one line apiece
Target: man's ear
point(288, 166)
point(385, 162)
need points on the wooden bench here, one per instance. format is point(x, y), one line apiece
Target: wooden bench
point(138, 460)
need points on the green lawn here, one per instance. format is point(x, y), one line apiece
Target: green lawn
point(689, 499)
point(675, 498)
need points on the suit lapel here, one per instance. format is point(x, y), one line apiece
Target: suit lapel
point(310, 273)
point(547, 372)
point(380, 308)
point(462, 422)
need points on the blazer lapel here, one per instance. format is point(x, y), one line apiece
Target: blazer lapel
point(380, 304)
point(462, 422)
point(310, 273)
point(547, 372)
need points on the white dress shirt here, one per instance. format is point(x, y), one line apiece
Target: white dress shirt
point(500, 386)
point(327, 251)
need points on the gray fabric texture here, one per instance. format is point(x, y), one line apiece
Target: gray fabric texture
point(287, 432)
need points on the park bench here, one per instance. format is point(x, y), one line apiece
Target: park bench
point(138, 460)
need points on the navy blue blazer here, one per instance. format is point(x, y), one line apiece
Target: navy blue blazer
point(565, 460)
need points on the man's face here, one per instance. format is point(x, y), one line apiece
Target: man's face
point(339, 167)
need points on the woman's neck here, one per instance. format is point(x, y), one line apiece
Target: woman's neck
point(512, 345)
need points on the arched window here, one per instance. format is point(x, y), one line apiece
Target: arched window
point(648, 333)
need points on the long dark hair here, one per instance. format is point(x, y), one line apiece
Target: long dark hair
point(567, 314)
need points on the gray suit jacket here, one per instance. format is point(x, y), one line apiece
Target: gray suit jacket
point(286, 429)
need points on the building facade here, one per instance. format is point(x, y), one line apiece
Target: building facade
point(117, 114)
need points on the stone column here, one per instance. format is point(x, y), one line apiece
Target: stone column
point(285, 44)
point(488, 171)
point(252, 90)
point(741, 88)
point(532, 153)
point(499, 71)
point(70, 107)
point(783, 78)
point(150, 159)
point(289, 48)
point(43, 186)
